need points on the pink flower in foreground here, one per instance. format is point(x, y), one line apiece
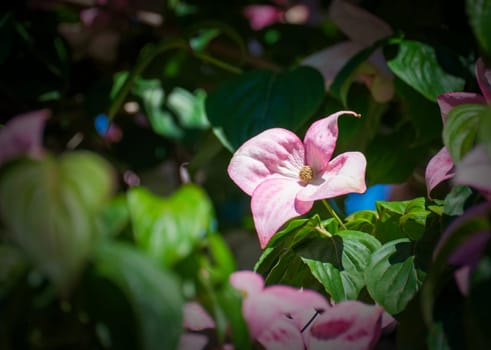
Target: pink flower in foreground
point(285, 176)
point(282, 317)
point(363, 29)
point(441, 166)
point(22, 135)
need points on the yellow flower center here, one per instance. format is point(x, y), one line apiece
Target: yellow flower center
point(306, 174)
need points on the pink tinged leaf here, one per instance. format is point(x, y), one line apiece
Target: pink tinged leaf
point(320, 141)
point(274, 153)
point(281, 335)
point(344, 174)
point(261, 16)
point(274, 203)
point(330, 60)
point(195, 318)
point(23, 135)
point(475, 170)
point(471, 250)
point(347, 325)
point(449, 100)
point(358, 24)
point(439, 169)
point(483, 75)
point(461, 277)
point(248, 282)
point(192, 341)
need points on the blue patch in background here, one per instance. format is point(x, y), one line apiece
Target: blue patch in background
point(101, 124)
point(366, 201)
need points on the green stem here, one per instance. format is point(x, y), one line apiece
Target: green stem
point(333, 213)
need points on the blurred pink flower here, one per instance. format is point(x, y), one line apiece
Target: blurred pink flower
point(362, 29)
point(23, 135)
point(441, 166)
point(262, 16)
point(283, 317)
point(285, 176)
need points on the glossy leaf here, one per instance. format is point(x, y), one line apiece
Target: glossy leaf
point(391, 276)
point(153, 293)
point(425, 74)
point(479, 12)
point(460, 130)
point(454, 202)
point(259, 100)
point(49, 208)
point(339, 262)
point(168, 228)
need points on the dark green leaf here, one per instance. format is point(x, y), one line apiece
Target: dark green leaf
point(168, 229)
point(417, 65)
point(391, 277)
point(479, 12)
point(460, 130)
point(258, 100)
point(484, 130)
point(154, 293)
point(455, 201)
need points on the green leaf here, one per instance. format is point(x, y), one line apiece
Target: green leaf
point(362, 220)
point(479, 12)
point(484, 129)
point(153, 293)
point(189, 107)
point(115, 216)
point(460, 130)
point(258, 100)
point(339, 262)
point(13, 265)
point(417, 65)
point(455, 200)
point(49, 207)
point(391, 276)
point(168, 229)
point(342, 82)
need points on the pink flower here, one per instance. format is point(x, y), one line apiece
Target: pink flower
point(22, 135)
point(282, 317)
point(285, 176)
point(441, 166)
point(363, 29)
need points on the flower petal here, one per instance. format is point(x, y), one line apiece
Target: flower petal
point(449, 100)
point(273, 203)
point(22, 135)
point(248, 282)
point(195, 317)
point(320, 141)
point(483, 76)
point(347, 325)
point(439, 169)
point(475, 169)
point(358, 24)
point(192, 341)
point(261, 16)
point(274, 153)
point(281, 335)
point(344, 174)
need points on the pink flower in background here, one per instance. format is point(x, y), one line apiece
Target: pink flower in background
point(363, 29)
point(441, 166)
point(285, 176)
point(262, 16)
point(23, 135)
point(283, 317)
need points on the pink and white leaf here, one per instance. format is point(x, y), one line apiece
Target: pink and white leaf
point(271, 154)
point(439, 169)
point(281, 335)
point(274, 203)
point(449, 100)
point(195, 317)
point(475, 170)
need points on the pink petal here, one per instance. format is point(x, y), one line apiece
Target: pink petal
point(475, 170)
point(461, 277)
point(261, 16)
point(195, 317)
point(320, 141)
point(347, 325)
point(281, 335)
point(344, 174)
point(449, 100)
point(273, 203)
point(483, 75)
point(22, 135)
point(274, 153)
point(330, 60)
point(439, 169)
point(248, 282)
point(358, 24)
point(192, 341)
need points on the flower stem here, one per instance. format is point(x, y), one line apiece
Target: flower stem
point(333, 213)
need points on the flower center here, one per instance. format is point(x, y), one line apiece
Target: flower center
point(306, 174)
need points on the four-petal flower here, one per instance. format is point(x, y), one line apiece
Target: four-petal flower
point(285, 176)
